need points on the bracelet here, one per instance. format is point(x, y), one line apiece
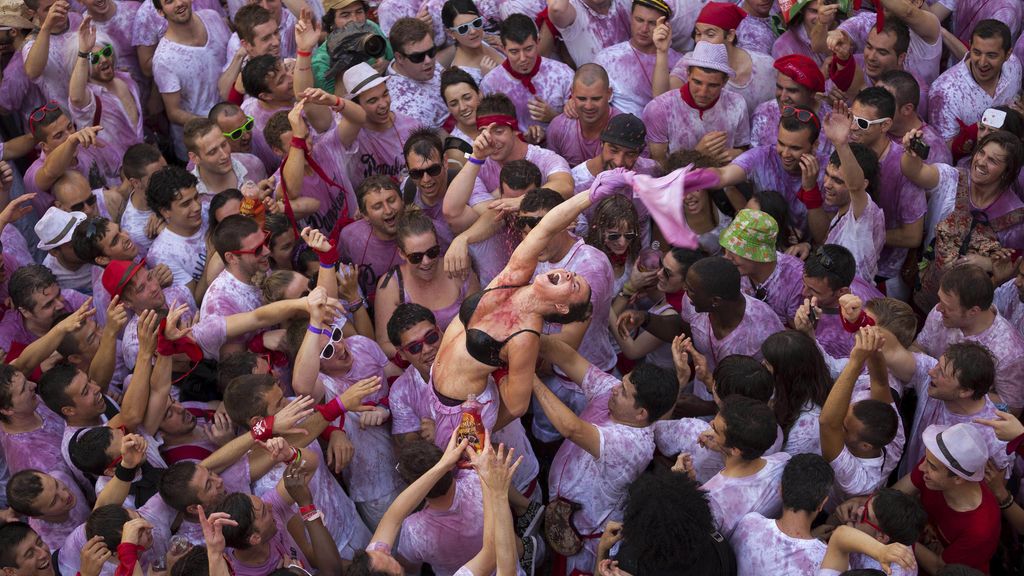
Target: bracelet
point(83, 54)
point(296, 455)
point(315, 330)
point(474, 160)
point(303, 53)
point(124, 474)
point(322, 265)
point(299, 143)
point(340, 103)
point(355, 306)
point(263, 429)
point(307, 509)
point(312, 516)
point(1006, 503)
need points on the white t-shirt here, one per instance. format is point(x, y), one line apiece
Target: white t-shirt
point(762, 549)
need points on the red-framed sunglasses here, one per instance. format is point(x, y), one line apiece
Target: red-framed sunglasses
point(801, 114)
point(864, 515)
point(40, 113)
point(430, 338)
point(258, 249)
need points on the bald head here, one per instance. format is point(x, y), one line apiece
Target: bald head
point(71, 189)
point(591, 74)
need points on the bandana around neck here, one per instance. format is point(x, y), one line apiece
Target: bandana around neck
point(525, 79)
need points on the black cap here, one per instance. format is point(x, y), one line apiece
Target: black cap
point(625, 130)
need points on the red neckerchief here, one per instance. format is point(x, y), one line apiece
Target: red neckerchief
point(618, 259)
point(675, 300)
point(343, 217)
point(525, 79)
point(842, 78)
point(688, 98)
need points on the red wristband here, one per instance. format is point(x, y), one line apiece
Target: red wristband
point(332, 410)
point(263, 429)
point(328, 258)
point(812, 198)
point(307, 509)
point(862, 321)
point(127, 556)
point(234, 96)
point(299, 143)
point(303, 53)
point(331, 429)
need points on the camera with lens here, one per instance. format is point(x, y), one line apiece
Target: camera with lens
point(353, 44)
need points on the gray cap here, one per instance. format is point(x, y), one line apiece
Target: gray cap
point(625, 130)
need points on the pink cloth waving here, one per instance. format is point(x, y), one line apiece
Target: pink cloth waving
point(664, 198)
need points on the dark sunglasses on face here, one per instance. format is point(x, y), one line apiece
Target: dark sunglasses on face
point(614, 236)
point(417, 257)
point(328, 352)
point(237, 132)
point(79, 206)
point(524, 222)
point(106, 52)
point(801, 114)
point(463, 29)
point(430, 338)
point(434, 170)
point(419, 57)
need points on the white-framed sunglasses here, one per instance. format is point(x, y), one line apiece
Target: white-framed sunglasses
point(463, 29)
point(328, 352)
point(864, 123)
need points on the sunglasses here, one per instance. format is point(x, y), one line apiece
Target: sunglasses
point(864, 515)
point(463, 29)
point(419, 57)
point(434, 170)
point(524, 222)
point(417, 257)
point(801, 114)
point(237, 132)
point(761, 293)
point(864, 123)
point(430, 338)
point(39, 114)
point(106, 52)
point(79, 206)
point(823, 258)
point(614, 236)
point(328, 352)
point(257, 250)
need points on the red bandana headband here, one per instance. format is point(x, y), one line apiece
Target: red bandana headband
point(499, 119)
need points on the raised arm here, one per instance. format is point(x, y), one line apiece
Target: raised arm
point(306, 372)
point(837, 130)
point(63, 157)
point(560, 354)
point(923, 22)
point(455, 206)
point(926, 176)
point(136, 396)
point(562, 13)
point(78, 90)
point(572, 427)
point(847, 540)
point(496, 468)
point(662, 36)
point(833, 413)
point(39, 53)
point(35, 353)
point(101, 369)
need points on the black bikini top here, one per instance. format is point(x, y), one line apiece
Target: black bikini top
point(480, 345)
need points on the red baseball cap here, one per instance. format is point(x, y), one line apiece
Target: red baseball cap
point(803, 70)
point(118, 273)
point(725, 15)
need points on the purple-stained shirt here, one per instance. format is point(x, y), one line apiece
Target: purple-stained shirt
point(670, 120)
point(796, 41)
point(901, 201)
point(283, 549)
point(228, 295)
point(12, 326)
point(358, 245)
point(762, 548)
point(968, 13)
point(956, 96)
point(38, 449)
point(185, 256)
point(192, 71)
point(674, 437)
point(380, 153)
point(129, 348)
point(119, 131)
point(133, 222)
point(784, 286)
point(553, 83)
point(759, 322)
point(446, 539)
point(864, 237)
point(390, 11)
point(261, 115)
point(119, 29)
point(1001, 338)
point(565, 138)
point(631, 73)
point(755, 34)
point(60, 60)
point(830, 334)
point(409, 401)
point(764, 126)
point(759, 87)
point(804, 435)
point(592, 264)
point(933, 411)
point(591, 32)
point(418, 100)
point(15, 248)
point(923, 59)
point(18, 94)
point(54, 533)
point(245, 166)
point(764, 170)
point(732, 498)
point(600, 484)
point(1008, 301)
point(336, 161)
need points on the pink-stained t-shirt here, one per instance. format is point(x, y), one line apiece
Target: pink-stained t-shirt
point(796, 41)
point(672, 121)
point(18, 94)
point(133, 222)
point(674, 437)
point(765, 171)
point(902, 202)
point(755, 34)
point(358, 245)
point(863, 237)
point(53, 82)
point(830, 334)
point(590, 31)
point(446, 539)
point(12, 326)
point(390, 11)
point(631, 73)
point(283, 549)
point(37, 449)
point(759, 86)
point(784, 287)
point(119, 131)
point(261, 115)
point(246, 168)
point(380, 153)
point(803, 435)
point(1008, 300)
point(553, 83)
point(762, 548)
point(420, 101)
point(565, 138)
point(600, 484)
point(185, 256)
point(957, 98)
point(336, 195)
point(764, 126)
point(733, 498)
point(594, 267)
point(1001, 338)
point(228, 295)
point(968, 13)
point(923, 59)
point(15, 248)
point(54, 533)
point(192, 71)
point(759, 322)
point(409, 402)
point(930, 411)
point(119, 30)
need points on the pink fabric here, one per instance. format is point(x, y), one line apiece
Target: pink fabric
point(631, 73)
point(939, 152)
point(38, 449)
point(732, 498)
point(755, 34)
point(186, 257)
point(418, 100)
point(1010, 304)
point(784, 287)
point(663, 198)
point(133, 222)
point(129, 348)
point(553, 82)
point(761, 548)
point(18, 94)
point(446, 539)
point(795, 41)
point(672, 121)
point(390, 11)
point(591, 32)
point(159, 514)
point(901, 201)
point(565, 138)
point(360, 246)
point(381, 152)
point(968, 13)
point(410, 402)
point(804, 436)
point(759, 87)
point(864, 238)
point(956, 96)
point(228, 295)
point(336, 161)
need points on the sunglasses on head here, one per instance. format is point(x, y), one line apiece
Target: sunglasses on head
point(417, 257)
point(801, 114)
point(434, 170)
point(864, 123)
point(237, 132)
point(430, 338)
point(79, 206)
point(614, 236)
point(40, 113)
point(257, 250)
point(463, 29)
point(419, 57)
point(524, 222)
point(106, 52)
point(328, 352)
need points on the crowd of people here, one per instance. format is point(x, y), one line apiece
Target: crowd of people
point(473, 287)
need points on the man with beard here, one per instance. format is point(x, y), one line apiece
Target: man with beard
point(236, 126)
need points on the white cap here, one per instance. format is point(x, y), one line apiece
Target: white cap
point(960, 447)
point(55, 227)
point(360, 78)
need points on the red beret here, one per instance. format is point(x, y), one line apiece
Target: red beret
point(722, 14)
point(803, 70)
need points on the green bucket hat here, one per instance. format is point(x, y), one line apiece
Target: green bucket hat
point(752, 236)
